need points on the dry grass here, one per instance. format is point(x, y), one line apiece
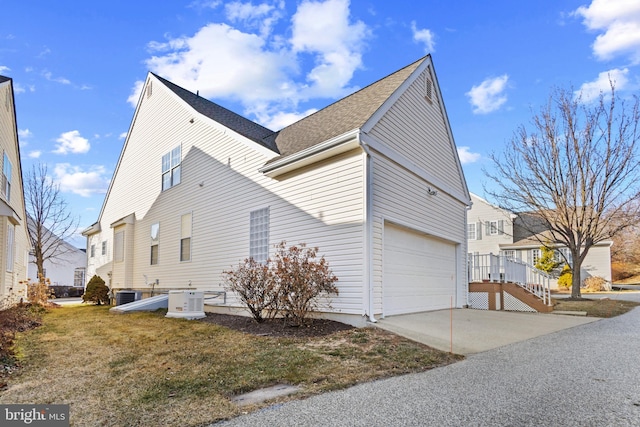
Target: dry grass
point(595, 307)
point(142, 369)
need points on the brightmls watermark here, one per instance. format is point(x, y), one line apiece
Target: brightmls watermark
point(34, 415)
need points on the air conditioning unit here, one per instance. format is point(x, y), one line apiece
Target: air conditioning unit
point(125, 297)
point(186, 304)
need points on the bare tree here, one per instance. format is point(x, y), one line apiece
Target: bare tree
point(50, 222)
point(576, 174)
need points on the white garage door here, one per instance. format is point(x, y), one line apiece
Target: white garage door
point(419, 272)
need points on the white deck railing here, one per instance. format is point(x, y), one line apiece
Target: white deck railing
point(499, 268)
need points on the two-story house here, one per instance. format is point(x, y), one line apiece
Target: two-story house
point(373, 180)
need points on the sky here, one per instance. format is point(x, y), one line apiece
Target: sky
point(77, 67)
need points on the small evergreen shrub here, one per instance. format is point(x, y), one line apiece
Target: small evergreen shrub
point(566, 278)
point(97, 292)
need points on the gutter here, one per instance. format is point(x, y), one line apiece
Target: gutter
point(312, 154)
point(368, 226)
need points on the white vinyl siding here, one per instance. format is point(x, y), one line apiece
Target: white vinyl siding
point(397, 199)
point(494, 227)
point(416, 129)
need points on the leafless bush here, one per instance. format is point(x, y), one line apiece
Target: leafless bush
point(255, 285)
point(595, 284)
point(289, 285)
point(301, 280)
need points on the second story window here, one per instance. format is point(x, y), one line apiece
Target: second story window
point(171, 168)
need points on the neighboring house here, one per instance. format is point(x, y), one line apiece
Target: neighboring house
point(494, 230)
point(14, 240)
point(67, 268)
point(373, 180)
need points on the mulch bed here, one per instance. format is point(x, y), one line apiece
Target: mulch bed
point(276, 327)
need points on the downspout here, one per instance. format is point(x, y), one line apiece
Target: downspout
point(466, 255)
point(368, 226)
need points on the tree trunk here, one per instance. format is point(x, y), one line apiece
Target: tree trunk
point(575, 279)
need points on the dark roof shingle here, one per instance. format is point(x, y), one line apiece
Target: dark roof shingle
point(228, 118)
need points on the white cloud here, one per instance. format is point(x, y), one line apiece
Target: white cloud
point(489, 95)
point(25, 133)
point(263, 16)
point(72, 142)
point(4, 69)
point(262, 69)
point(590, 91)
point(73, 179)
point(466, 156)
point(135, 93)
point(21, 88)
point(123, 135)
point(49, 76)
point(324, 28)
point(35, 154)
point(279, 120)
point(619, 24)
point(424, 36)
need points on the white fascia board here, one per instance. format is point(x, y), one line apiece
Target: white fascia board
point(413, 168)
point(332, 147)
point(92, 229)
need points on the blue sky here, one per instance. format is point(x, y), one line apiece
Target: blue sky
point(77, 66)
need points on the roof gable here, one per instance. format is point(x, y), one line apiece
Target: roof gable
point(349, 113)
point(225, 117)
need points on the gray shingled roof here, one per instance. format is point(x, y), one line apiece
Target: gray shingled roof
point(342, 116)
point(347, 114)
point(4, 79)
point(228, 118)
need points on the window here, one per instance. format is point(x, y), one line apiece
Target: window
point(567, 255)
point(118, 246)
point(6, 177)
point(78, 277)
point(155, 234)
point(259, 235)
point(104, 247)
point(10, 244)
point(93, 251)
point(509, 254)
point(171, 168)
point(185, 238)
point(535, 256)
point(471, 231)
point(494, 228)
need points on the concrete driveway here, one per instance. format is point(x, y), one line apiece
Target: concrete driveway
point(468, 331)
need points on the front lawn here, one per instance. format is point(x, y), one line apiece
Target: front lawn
point(143, 369)
point(602, 307)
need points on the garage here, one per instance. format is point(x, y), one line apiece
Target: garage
point(419, 271)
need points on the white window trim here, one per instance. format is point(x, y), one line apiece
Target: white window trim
point(186, 234)
point(469, 233)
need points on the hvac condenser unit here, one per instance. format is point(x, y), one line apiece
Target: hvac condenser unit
point(125, 297)
point(186, 304)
